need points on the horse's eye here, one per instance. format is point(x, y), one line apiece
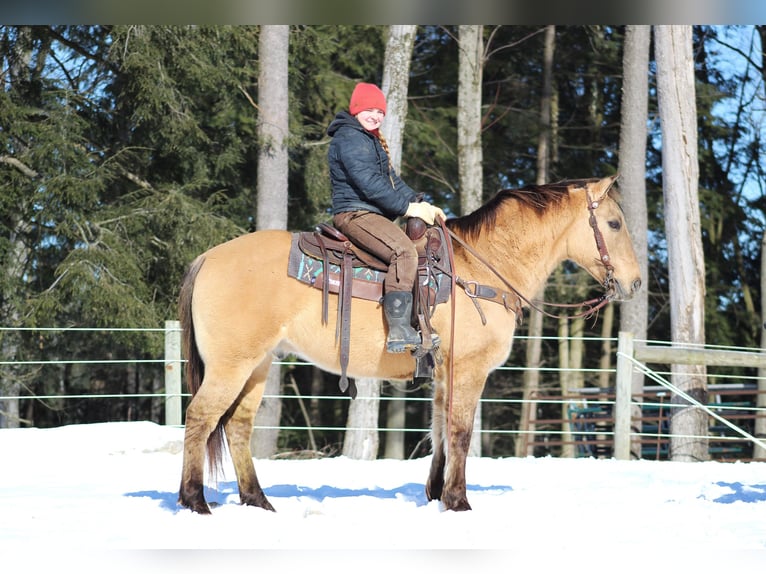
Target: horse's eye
point(614, 224)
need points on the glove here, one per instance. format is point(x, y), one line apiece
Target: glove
point(425, 211)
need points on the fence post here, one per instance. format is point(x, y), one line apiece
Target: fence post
point(173, 367)
point(623, 381)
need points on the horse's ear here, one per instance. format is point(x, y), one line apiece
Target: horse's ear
point(602, 187)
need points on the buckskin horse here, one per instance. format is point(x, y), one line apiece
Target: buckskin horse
point(239, 308)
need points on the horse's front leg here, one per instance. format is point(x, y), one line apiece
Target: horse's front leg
point(435, 483)
point(459, 430)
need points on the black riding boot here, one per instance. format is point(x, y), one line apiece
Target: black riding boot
point(397, 307)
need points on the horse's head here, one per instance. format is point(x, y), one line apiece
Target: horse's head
point(604, 247)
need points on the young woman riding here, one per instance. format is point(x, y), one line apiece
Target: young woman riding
point(367, 197)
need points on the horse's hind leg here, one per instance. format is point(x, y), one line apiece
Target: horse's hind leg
point(239, 429)
point(219, 389)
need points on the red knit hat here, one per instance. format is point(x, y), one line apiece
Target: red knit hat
point(366, 97)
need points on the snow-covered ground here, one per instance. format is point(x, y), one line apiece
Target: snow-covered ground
point(80, 495)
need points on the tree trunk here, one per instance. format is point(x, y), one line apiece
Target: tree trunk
point(607, 355)
point(576, 378)
point(607, 348)
point(271, 212)
point(469, 152)
point(632, 169)
point(531, 384)
point(10, 341)
point(396, 80)
point(567, 450)
point(546, 117)
point(395, 421)
point(760, 422)
point(18, 255)
point(273, 128)
point(686, 263)
point(361, 442)
point(396, 68)
point(535, 331)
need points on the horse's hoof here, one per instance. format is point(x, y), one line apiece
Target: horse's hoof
point(193, 499)
point(256, 500)
point(434, 492)
point(459, 504)
point(198, 507)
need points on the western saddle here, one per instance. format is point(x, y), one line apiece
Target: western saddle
point(326, 259)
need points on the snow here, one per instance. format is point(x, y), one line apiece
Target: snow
point(91, 492)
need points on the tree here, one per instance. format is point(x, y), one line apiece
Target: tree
point(115, 198)
point(686, 264)
point(632, 169)
point(535, 329)
point(271, 212)
point(16, 254)
point(469, 152)
point(363, 411)
point(760, 423)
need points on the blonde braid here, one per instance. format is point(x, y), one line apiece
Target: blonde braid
point(384, 144)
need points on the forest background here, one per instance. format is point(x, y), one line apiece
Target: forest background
point(128, 150)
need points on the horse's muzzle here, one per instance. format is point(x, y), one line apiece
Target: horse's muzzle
point(616, 292)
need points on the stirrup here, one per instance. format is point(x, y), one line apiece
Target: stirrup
point(424, 369)
point(402, 345)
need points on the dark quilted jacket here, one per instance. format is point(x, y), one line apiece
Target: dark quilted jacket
point(360, 174)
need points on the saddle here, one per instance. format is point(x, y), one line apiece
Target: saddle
point(326, 259)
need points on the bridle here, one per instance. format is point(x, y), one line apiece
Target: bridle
point(591, 306)
point(603, 252)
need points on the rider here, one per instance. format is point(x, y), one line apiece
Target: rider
point(367, 196)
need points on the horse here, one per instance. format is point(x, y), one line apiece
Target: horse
point(238, 309)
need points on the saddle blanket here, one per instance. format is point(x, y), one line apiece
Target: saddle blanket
point(367, 283)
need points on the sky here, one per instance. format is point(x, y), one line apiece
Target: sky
point(102, 497)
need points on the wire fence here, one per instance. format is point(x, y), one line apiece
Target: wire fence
point(583, 419)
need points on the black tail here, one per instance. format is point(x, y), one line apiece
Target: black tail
point(195, 367)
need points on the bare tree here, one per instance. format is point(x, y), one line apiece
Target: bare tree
point(271, 209)
point(469, 158)
point(361, 439)
point(760, 422)
point(535, 329)
point(632, 169)
point(686, 263)
point(470, 62)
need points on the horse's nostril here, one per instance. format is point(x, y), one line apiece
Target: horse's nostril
point(636, 285)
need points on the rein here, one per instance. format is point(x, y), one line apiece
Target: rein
point(453, 280)
point(592, 305)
